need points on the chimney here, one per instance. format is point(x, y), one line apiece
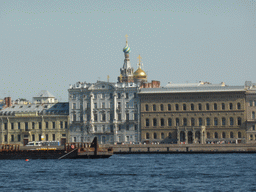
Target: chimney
point(8, 101)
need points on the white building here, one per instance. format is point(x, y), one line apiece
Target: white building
point(107, 110)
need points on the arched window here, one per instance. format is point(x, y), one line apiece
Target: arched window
point(223, 106)
point(216, 135)
point(154, 122)
point(155, 136)
point(230, 106)
point(208, 121)
point(239, 135)
point(200, 120)
point(184, 107)
point(169, 122)
point(199, 106)
point(146, 107)
point(192, 107)
point(147, 122)
point(215, 121)
point(170, 135)
point(231, 135)
point(208, 135)
point(162, 122)
point(177, 121)
point(231, 121)
point(239, 121)
point(253, 115)
point(169, 107)
point(185, 122)
point(162, 135)
point(147, 135)
point(215, 106)
point(192, 122)
point(207, 106)
point(223, 135)
point(154, 107)
point(238, 106)
point(161, 107)
point(176, 107)
point(223, 121)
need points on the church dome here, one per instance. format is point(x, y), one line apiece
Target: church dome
point(139, 74)
point(126, 49)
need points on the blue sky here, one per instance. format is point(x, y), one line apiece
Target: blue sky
point(49, 44)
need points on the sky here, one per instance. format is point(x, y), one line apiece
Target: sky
point(50, 44)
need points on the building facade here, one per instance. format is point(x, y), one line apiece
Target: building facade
point(22, 123)
point(194, 113)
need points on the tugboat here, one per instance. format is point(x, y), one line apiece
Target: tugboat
point(70, 151)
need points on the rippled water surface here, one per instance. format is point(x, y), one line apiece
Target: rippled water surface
point(150, 172)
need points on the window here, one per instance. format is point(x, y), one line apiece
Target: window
point(135, 127)
point(39, 137)
point(216, 135)
point(192, 122)
point(46, 125)
point(184, 107)
point(119, 116)
point(169, 107)
point(177, 121)
point(147, 122)
point(161, 107)
point(119, 105)
point(239, 135)
point(127, 105)
point(61, 124)
point(127, 127)
point(215, 106)
point(230, 106)
point(53, 125)
point(208, 121)
point(74, 117)
point(46, 137)
point(110, 95)
point(199, 106)
point(162, 135)
point(170, 135)
point(127, 95)
point(253, 127)
point(251, 103)
point(215, 121)
point(135, 116)
point(231, 135)
point(192, 107)
point(66, 124)
point(155, 136)
point(135, 105)
point(12, 137)
point(169, 122)
point(239, 121)
point(39, 125)
point(95, 105)
point(103, 128)
point(33, 125)
point(177, 107)
point(147, 135)
point(12, 126)
point(53, 137)
point(223, 121)
point(231, 121)
point(95, 117)
point(103, 117)
point(154, 107)
point(103, 105)
point(5, 126)
point(5, 138)
point(208, 135)
point(251, 137)
point(207, 106)
point(119, 95)
point(253, 115)
point(135, 95)
point(223, 106)
point(146, 107)
point(223, 135)
point(238, 106)
point(95, 128)
point(127, 116)
point(185, 123)
point(162, 122)
point(33, 137)
point(74, 106)
point(200, 121)
point(154, 122)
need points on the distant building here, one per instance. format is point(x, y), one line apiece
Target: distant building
point(21, 123)
point(44, 97)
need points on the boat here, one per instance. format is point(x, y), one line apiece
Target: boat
point(73, 150)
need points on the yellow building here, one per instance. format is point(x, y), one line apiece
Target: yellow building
point(194, 113)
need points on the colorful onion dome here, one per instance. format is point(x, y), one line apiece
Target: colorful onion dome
point(126, 49)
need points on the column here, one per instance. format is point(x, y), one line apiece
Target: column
point(115, 119)
point(178, 136)
point(91, 102)
point(186, 137)
point(115, 106)
point(194, 136)
point(201, 137)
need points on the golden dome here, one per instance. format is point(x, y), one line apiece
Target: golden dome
point(139, 74)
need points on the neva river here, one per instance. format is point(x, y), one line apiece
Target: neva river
point(147, 172)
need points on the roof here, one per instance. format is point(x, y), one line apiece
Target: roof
point(44, 93)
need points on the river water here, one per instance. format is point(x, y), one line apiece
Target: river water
point(143, 172)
